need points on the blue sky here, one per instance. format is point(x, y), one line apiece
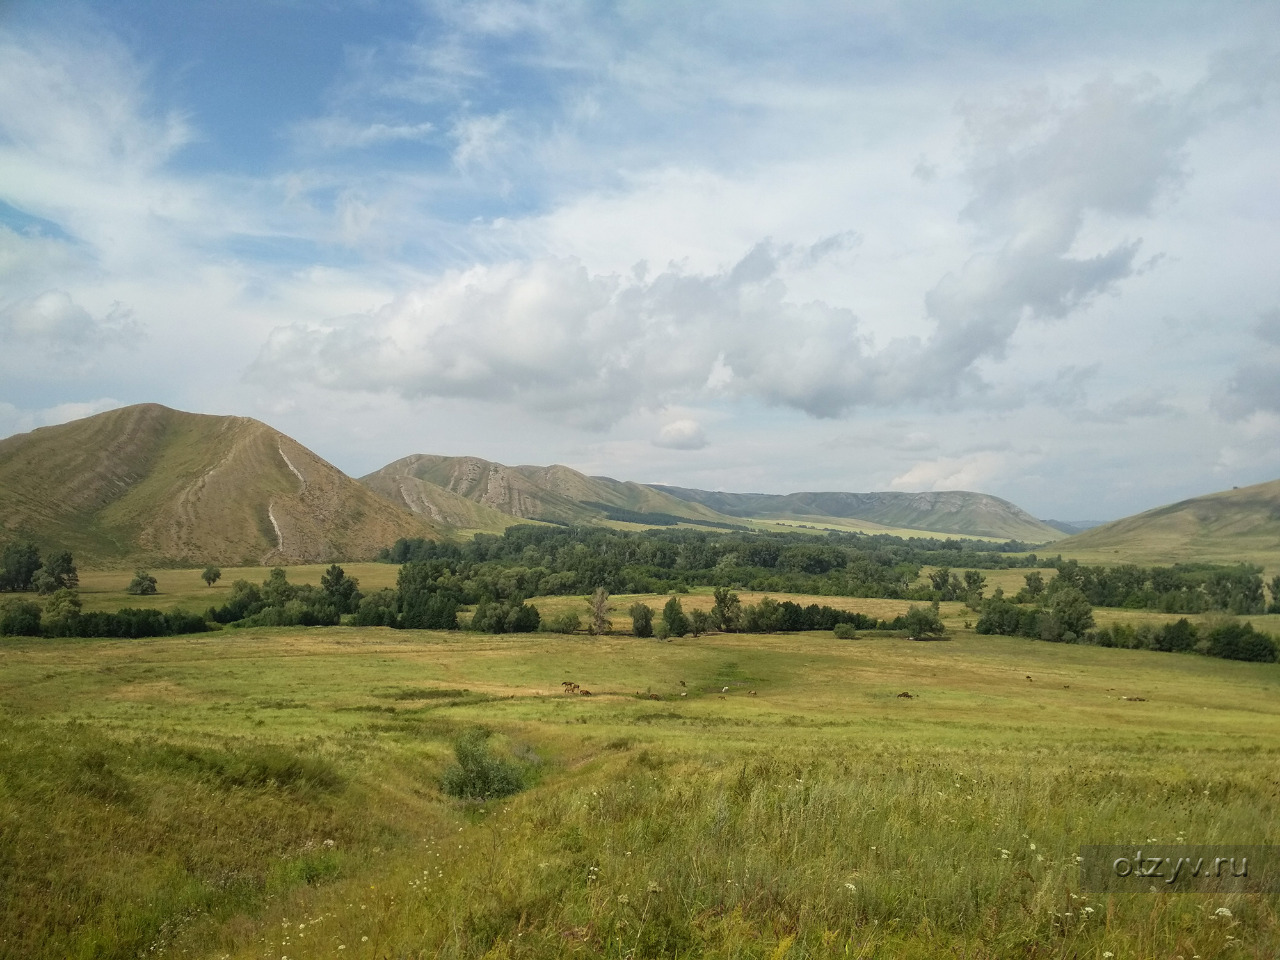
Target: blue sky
point(742, 246)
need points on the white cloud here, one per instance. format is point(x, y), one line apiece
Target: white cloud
point(342, 133)
point(681, 435)
point(974, 472)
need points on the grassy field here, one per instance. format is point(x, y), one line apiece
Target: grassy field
point(276, 793)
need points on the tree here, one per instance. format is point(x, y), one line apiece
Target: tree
point(674, 619)
point(1237, 641)
point(61, 611)
point(44, 583)
point(641, 619)
point(20, 618)
point(1068, 614)
point(1275, 595)
point(1035, 584)
point(18, 564)
point(62, 567)
point(727, 612)
point(276, 589)
point(974, 585)
point(699, 622)
point(342, 591)
point(211, 575)
point(924, 621)
point(599, 606)
point(143, 584)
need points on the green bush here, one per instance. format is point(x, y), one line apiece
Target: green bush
point(478, 774)
point(845, 631)
point(20, 618)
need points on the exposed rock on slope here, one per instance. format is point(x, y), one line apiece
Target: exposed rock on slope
point(556, 494)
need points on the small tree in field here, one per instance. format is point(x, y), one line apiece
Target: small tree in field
point(641, 619)
point(699, 622)
point(211, 575)
point(674, 619)
point(142, 585)
point(600, 622)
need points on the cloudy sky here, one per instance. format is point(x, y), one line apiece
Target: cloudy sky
point(1026, 249)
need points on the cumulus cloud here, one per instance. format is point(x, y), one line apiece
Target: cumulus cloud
point(682, 435)
point(14, 419)
point(971, 472)
point(53, 320)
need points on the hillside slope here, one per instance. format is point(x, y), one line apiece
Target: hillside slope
point(1233, 525)
point(147, 484)
point(950, 512)
point(555, 494)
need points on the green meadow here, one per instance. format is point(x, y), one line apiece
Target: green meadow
point(277, 793)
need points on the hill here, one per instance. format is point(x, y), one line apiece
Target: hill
point(554, 494)
point(1233, 525)
point(955, 512)
point(147, 484)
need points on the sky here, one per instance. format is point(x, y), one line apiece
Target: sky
point(1031, 250)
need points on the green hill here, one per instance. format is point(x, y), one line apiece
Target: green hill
point(1233, 525)
point(953, 512)
point(554, 494)
point(147, 484)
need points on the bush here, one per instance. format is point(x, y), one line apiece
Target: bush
point(924, 621)
point(143, 584)
point(20, 618)
point(565, 623)
point(845, 631)
point(478, 774)
point(1236, 641)
point(642, 619)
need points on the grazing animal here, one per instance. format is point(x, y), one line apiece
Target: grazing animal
point(905, 696)
point(1028, 676)
point(684, 693)
point(585, 693)
point(724, 689)
point(569, 686)
point(752, 692)
point(682, 683)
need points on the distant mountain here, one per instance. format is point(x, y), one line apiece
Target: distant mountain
point(147, 484)
point(952, 512)
point(1238, 524)
point(1070, 527)
point(554, 494)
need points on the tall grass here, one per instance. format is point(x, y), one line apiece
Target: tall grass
point(283, 795)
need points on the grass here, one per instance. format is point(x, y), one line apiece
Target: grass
point(277, 793)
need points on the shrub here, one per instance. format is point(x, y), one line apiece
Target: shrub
point(565, 623)
point(642, 619)
point(845, 631)
point(1236, 641)
point(20, 618)
point(924, 621)
point(478, 774)
point(143, 584)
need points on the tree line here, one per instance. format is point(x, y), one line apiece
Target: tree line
point(1061, 611)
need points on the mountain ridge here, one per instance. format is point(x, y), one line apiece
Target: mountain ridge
point(149, 484)
point(956, 512)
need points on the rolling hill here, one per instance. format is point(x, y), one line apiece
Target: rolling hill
point(1232, 525)
point(554, 494)
point(147, 484)
point(951, 512)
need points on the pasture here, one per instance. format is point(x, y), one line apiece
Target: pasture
point(276, 793)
